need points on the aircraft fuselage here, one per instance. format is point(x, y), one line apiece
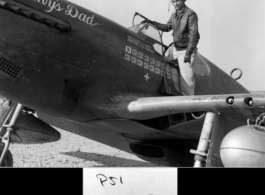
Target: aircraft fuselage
point(71, 62)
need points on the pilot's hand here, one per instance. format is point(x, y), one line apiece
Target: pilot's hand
point(187, 58)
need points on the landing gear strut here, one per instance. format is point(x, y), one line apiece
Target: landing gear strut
point(203, 146)
point(7, 159)
point(6, 129)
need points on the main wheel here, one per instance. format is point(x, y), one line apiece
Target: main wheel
point(8, 160)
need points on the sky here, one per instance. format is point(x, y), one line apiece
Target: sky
point(232, 31)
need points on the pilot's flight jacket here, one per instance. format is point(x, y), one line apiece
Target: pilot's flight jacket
point(185, 29)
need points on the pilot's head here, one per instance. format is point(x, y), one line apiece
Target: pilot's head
point(178, 4)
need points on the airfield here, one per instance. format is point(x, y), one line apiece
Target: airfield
point(73, 151)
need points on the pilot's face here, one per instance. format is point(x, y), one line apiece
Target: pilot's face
point(178, 4)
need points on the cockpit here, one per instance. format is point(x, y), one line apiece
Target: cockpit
point(148, 51)
point(154, 49)
point(150, 34)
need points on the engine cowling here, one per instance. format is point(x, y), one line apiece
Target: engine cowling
point(244, 147)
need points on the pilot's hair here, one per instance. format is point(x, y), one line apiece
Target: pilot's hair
point(172, 0)
point(171, 3)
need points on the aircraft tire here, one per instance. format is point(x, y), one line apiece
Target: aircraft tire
point(8, 160)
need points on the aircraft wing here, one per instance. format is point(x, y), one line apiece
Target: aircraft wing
point(236, 106)
point(170, 146)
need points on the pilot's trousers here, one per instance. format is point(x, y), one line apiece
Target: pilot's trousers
point(187, 81)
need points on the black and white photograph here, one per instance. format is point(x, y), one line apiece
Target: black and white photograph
point(132, 83)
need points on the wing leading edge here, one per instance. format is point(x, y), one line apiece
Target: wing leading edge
point(237, 106)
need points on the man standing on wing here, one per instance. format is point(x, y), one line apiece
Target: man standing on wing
point(184, 23)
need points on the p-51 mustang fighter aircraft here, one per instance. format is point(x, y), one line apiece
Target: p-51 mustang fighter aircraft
point(65, 66)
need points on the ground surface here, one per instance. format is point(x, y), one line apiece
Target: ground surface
point(70, 151)
point(73, 151)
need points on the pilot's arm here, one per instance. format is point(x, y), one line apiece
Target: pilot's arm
point(193, 33)
point(163, 27)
